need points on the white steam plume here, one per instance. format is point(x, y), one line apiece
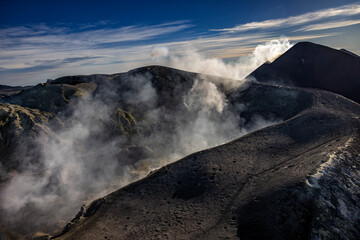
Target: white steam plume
point(193, 61)
point(159, 53)
point(204, 96)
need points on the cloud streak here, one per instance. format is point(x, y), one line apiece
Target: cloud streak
point(30, 36)
point(38, 65)
point(41, 55)
point(329, 25)
point(33, 53)
point(326, 14)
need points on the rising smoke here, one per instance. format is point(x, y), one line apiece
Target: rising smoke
point(127, 129)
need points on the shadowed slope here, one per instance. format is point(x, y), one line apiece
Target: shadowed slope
point(315, 66)
point(6, 91)
point(264, 185)
point(143, 134)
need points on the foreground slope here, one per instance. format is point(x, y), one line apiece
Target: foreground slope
point(315, 66)
point(298, 179)
point(90, 135)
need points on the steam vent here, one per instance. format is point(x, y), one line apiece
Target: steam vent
point(161, 153)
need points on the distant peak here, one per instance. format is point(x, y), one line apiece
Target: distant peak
point(307, 43)
point(350, 53)
point(310, 45)
point(312, 65)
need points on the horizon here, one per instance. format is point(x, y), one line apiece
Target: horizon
point(45, 40)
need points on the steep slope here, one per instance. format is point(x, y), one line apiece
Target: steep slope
point(50, 97)
point(298, 179)
point(315, 66)
point(20, 127)
point(115, 133)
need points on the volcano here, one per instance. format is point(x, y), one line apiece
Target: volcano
point(276, 158)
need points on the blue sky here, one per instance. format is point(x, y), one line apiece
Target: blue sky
point(53, 38)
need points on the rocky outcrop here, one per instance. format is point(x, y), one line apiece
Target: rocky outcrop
point(6, 91)
point(20, 127)
point(50, 97)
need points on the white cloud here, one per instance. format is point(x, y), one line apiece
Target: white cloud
point(329, 25)
point(40, 48)
point(32, 54)
point(32, 36)
point(343, 11)
point(25, 66)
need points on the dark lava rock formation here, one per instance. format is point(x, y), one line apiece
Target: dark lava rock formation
point(315, 66)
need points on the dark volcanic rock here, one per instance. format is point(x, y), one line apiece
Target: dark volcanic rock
point(19, 128)
point(74, 80)
point(6, 91)
point(315, 66)
point(50, 97)
point(295, 180)
point(55, 95)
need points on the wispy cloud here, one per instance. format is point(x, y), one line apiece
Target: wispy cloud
point(326, 14)
point(28, 48)
point(30, 54)
point(27, 36)
point(328, 25)
point(40, 65)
